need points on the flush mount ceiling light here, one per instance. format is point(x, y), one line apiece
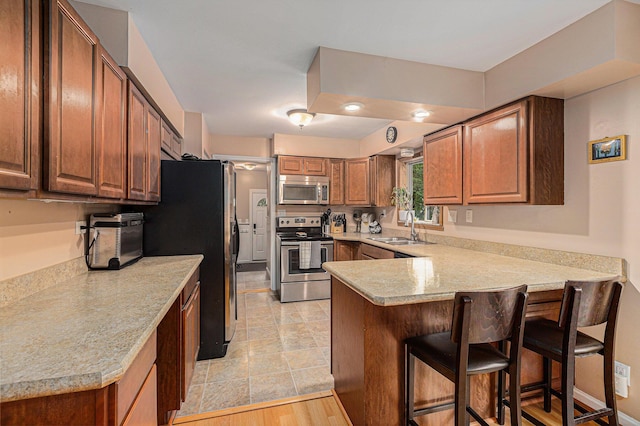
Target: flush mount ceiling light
point(421, 114)
point(300, 117)
point(406, 152)
point(353, 106)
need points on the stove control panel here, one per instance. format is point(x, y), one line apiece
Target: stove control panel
point(298, 221)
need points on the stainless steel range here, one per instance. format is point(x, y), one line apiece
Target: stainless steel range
point(301, 250)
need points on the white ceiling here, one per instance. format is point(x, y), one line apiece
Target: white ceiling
point(243, 63)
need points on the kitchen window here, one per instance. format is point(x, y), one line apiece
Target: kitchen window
point(410, 175)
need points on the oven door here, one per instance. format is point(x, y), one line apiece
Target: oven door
point(290, 263)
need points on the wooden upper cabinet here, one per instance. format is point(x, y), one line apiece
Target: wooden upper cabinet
point(112, 129)
point(71, 53)
point(144, 147)
point(288, 165)
point(357, 186)
point(171, 143)
point(137, 152)
point(309, 166)
point(314, 166)
point(336, 181)
point(383, 177)
point(154, 124)
point(442, 159)
point(515, 154)
point(19, 93)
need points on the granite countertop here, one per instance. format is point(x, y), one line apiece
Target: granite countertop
point(85, 332)
point(439, 271)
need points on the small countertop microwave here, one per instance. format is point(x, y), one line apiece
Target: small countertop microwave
point(294, 189)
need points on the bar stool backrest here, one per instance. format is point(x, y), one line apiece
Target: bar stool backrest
point(491, 314)
point(595, 301)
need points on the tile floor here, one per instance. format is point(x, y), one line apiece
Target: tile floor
point(278, 351)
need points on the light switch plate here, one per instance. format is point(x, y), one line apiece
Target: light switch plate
point(453, 216)
point(469, 216)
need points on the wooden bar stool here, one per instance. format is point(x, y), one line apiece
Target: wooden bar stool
point(479, 319)
point(584, 304)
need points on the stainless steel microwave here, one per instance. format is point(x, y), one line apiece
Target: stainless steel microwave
point(294, 189)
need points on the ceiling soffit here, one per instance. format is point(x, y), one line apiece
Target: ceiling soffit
point(598, 50)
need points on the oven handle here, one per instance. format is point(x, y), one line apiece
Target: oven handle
point(297, 243)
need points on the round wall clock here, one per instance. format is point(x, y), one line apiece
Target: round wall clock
point(392, 134)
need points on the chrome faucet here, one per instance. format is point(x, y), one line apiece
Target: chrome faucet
point(414, 234)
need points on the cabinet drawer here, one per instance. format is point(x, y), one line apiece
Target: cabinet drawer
point(143, 409)
point(376, 252)
point(190, 286)
point(128, 387)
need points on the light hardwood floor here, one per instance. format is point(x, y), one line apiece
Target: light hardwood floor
point(318, 410)
point(321, 409)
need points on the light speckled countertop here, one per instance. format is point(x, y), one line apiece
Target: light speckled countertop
point(439, 271)
point(84, 333)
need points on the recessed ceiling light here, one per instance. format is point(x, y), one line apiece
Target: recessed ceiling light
point(420, 114)
point(353, 106)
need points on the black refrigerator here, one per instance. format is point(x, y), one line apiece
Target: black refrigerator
point(197, 215)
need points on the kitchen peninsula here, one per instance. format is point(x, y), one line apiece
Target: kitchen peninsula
point(375, 305)
point(99, 347)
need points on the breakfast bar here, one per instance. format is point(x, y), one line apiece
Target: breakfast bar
point(376, 305)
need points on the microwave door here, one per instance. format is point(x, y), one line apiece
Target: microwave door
point(299, 194)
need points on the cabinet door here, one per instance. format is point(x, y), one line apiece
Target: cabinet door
point(495, 156)
point(137, 132)
point(70, 102)
point(112, 129)
point(143, 410)
point(383, 177)
point(166, 137)
point(288, 165)
point(356, 190)
point(176, 146)
point(191, 338)
point(19, 93)
point(442, 156)
point(346, 250)
point(153, 153)
point(336, 182)
point(314, 166)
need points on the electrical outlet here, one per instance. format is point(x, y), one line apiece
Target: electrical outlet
point(469, 216)
point(624, 371)
point(383, 214)
point(622, 379)
point(79, 225)
point(453, 216)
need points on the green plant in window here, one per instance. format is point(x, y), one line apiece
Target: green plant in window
point(401, 198)
point(418, 190)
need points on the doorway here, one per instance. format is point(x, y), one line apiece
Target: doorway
point(258, 225)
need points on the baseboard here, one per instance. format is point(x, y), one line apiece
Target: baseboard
point(597, 404)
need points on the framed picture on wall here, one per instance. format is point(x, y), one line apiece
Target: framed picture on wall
point(608, 149)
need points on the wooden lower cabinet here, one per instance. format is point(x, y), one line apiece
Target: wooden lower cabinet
point(346, 250)
point(143, 409)
point(367, 357)
point(369, 252)
point(150, 391)
point(191, 336)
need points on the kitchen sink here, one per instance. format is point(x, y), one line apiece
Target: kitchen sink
point(398, 241)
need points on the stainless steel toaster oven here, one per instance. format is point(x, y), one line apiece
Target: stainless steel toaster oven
point(115, 240)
